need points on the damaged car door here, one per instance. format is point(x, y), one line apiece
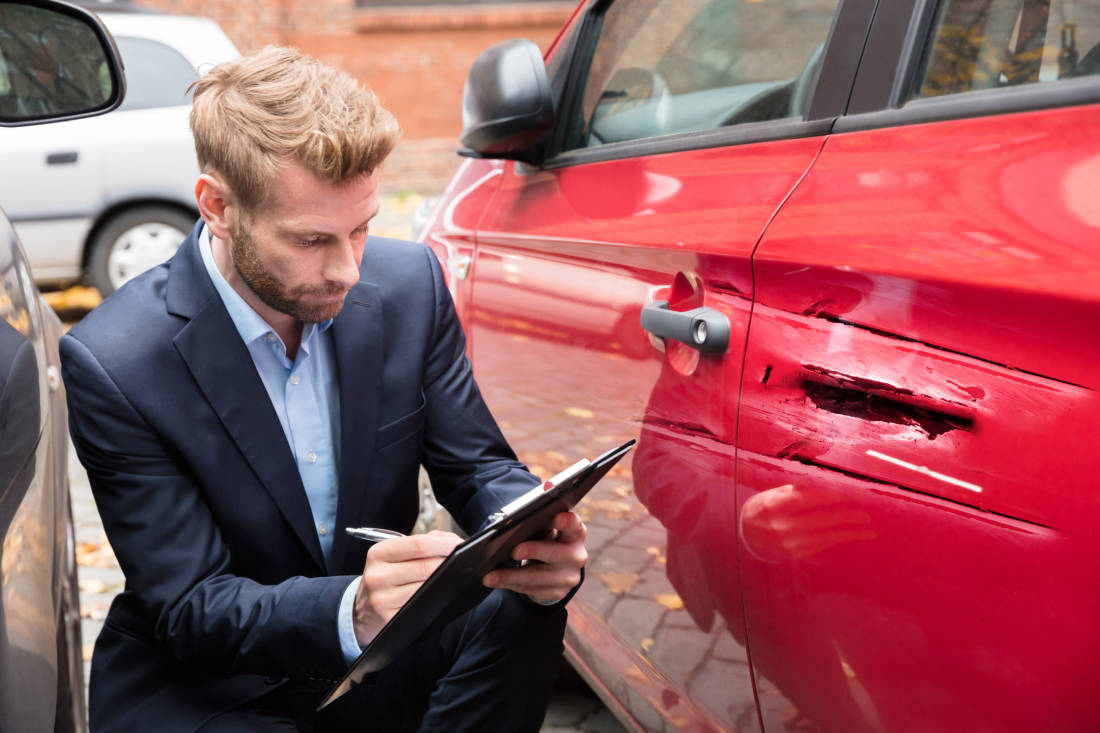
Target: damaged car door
point(918, 427)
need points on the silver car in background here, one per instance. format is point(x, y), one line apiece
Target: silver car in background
point(103, 199)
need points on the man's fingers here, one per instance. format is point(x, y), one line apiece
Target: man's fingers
point(535, 578)
point(569, 527)
point(379, 574)
point(554, 553)
point(415, 547)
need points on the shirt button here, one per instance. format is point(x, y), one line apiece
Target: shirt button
point(271, 337)
point(311, 457)
point(322, 530)
point(294, 379)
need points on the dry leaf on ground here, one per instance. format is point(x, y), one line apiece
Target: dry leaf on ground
point(670, 601)
point(619, 583)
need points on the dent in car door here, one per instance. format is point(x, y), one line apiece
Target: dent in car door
point(917, 451)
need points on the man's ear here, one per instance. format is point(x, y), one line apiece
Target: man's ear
point(214, 199)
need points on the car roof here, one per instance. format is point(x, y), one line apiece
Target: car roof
point(200, 40)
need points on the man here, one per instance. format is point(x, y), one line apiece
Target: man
point(280, 379)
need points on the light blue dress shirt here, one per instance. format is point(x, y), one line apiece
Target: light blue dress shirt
point(305, 395)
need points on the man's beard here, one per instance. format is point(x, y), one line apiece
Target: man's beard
point(273, 293)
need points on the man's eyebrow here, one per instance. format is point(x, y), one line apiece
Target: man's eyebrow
point(372, 215)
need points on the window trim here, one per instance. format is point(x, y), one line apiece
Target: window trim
point(981, 103)
point(719, 137)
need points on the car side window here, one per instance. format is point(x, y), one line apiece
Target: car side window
point(987, 44)
point(670, 66)
point(156, 75)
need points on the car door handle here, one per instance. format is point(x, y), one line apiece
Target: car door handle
point(703, 329)
point(69, 156)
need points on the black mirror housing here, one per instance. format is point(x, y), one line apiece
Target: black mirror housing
point(57, 62)
point(507, 106)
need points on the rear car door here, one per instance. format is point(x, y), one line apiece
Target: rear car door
point(917, 453)
point(681, 129)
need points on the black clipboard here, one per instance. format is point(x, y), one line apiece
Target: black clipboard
point(455, 586)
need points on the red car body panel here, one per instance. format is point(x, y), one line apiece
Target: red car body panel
point(918, 432)
point(872, 512)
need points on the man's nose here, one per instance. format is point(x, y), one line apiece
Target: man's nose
point(343, 265)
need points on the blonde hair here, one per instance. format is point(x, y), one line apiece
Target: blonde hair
point(254, 113)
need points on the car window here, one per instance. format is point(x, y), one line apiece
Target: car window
point(669, 66)
point(156, 75)
point(987, 44)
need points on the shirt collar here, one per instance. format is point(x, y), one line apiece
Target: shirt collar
point(248, 322)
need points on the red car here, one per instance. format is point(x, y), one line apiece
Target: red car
point(837, 264)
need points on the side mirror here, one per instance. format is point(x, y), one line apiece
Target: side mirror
point(57, 62)
point(507, 107)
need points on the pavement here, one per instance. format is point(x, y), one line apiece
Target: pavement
point(573, 708)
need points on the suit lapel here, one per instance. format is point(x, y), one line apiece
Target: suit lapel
point(357, 332)
point(223, 369)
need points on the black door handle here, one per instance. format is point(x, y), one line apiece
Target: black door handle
point(704, 329)
point(70, 156)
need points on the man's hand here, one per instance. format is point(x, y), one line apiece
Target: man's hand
point(554, 565)
point(394, 570)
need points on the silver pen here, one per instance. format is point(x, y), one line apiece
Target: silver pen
point(372, 534)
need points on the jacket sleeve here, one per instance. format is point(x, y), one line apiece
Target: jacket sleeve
point(172, 553)
point(473, 470)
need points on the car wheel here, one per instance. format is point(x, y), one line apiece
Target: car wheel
point(72, 712)
point(133, 241)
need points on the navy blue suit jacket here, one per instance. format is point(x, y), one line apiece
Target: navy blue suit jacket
point(227, 592)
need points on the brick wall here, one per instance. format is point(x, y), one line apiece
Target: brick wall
point(414, 57)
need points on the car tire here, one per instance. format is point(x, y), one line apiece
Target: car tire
point(133, 241)
point(72, 710)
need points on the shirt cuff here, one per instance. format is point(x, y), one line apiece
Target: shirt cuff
point(345, 622)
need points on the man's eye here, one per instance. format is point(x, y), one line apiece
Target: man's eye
point(309, 241)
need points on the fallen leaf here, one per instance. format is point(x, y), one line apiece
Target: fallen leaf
point(580, 412)
point(647, 644)
point(610, 508)
point(670, 601)
point(656, 551)
point(619, 583)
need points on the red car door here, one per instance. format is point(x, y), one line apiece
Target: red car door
point(917, 453)
point(667, 167)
